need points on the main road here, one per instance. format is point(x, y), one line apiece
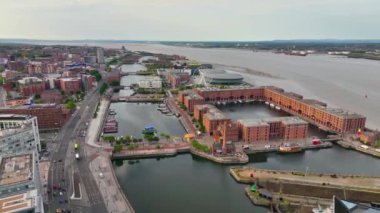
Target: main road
point(60, 186)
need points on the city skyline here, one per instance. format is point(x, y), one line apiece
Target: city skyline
point(168, 20)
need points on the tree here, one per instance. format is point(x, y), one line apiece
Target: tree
point(118, 147)
point(181, 88)
point(37, 96)
point(103, 88)
point(96, 74)
point(70, 105)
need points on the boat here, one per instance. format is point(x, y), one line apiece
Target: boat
point(278, 108)
point(111, 112)
point(224, 103)
point(271, 105)
point(218, 103)
point(289, 148)
point(240, 101)
point(266, 102)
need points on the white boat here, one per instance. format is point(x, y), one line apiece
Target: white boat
point(235, 102)
point(278, 108)
point(224, 103)
point(271, 105)
point(266, 102)
point(218, 103)
point(240, 101)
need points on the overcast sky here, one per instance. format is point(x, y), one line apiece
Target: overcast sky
point(190, 19)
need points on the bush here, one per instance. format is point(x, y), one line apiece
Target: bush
point(200, 147)
point(131, 146)
point(151, 137)
point(118, 147)
point(109, 138)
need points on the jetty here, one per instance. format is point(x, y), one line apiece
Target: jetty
point(305, 189)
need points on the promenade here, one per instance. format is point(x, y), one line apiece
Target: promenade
point(101, 167)
point(114, 198)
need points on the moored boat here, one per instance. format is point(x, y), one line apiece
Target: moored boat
point(290, 148)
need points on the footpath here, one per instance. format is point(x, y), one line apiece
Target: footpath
point(101, 167)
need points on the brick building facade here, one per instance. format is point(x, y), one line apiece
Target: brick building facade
point(50, 116)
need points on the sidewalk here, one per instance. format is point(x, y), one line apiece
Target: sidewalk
point(96, 124)
point(110, 189)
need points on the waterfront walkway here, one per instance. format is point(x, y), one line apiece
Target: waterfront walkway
point(96, 124)
point(101, 167)
point(370, 183)
point(116, 201)
point(184, 117)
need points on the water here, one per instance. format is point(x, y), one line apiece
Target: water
point(128, 81)
point(188, 184)
point(339, 81)
point(251, 111)
point(132, 118)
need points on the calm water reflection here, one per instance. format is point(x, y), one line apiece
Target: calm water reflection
point(188, 184)
point(132, 118)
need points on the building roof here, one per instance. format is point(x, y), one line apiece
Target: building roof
point(193, 96)
point(252, 122)
point(12, 117)
point(19, 202)
point(16, 169)
point(291, 120)
point(213, 113)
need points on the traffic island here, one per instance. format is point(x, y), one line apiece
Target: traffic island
point(77, 194)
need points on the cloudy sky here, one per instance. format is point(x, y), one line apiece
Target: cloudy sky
point(190, 19)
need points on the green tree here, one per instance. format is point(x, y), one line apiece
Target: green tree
point(103, 88)
point(118, 147)
point(96, 74)
point(70, 105)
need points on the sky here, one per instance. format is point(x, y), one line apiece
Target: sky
point(190, 20)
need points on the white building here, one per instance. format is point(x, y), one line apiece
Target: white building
point(19, 160)
point(100, 55)
point(151, 83)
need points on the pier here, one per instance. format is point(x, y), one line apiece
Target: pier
point(306, 188)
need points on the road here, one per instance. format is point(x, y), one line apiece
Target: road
point(64, 164)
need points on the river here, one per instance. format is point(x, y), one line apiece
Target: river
point(339, 81)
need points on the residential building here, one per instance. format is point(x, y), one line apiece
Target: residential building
point(49, 116)
point(177, 78)
point(285, 128)
point(70, 85)
point(52, 96)
point(31, 86)
point(191, 100)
